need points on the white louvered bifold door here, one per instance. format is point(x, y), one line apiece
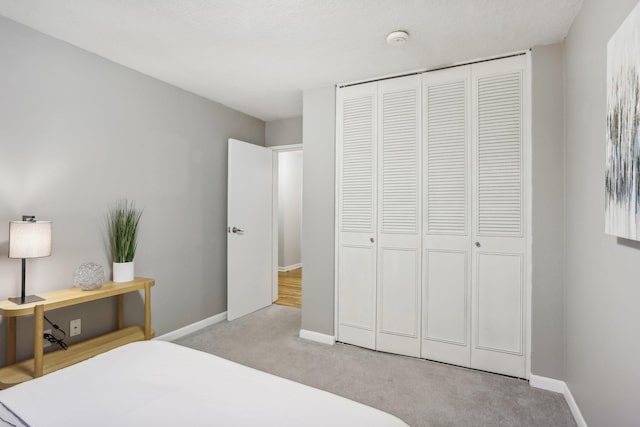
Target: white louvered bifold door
point(399, 206)
point(357, 222)
point(499, 178)
point(446, 277)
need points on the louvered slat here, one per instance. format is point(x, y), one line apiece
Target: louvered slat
point(446, 168)
point(500, 155)
point(400, 162)
point(358, 164)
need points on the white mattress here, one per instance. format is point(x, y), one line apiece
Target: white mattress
point(156, 383)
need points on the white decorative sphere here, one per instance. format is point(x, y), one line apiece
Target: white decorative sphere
point(89, 276)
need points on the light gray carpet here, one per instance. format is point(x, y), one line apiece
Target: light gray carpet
point(420, 392)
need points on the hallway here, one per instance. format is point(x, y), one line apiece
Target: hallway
point(290, 288)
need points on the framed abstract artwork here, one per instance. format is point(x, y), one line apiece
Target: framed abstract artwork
point(622, 173)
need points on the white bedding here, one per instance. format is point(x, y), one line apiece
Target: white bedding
point(156, 383)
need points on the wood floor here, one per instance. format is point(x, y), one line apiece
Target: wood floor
point(290, 288)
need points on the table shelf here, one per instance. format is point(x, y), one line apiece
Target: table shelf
point(41, 363)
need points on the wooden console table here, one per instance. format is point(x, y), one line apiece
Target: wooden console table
point(41, 364)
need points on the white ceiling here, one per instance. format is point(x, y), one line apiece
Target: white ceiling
point(258, 55)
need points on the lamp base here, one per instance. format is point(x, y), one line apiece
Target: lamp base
point(26, 300)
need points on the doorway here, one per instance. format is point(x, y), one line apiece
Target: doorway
point(288, 225)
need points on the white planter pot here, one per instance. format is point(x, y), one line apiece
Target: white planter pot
point(123, 271)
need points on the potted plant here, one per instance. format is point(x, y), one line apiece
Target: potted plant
point(122, 224)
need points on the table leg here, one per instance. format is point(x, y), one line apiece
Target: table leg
point(38, 344)
point(11, 340)
point(147, 312)
point(120, 311)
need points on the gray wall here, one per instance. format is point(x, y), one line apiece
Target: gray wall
point(78, 132)
point(283, 132)
point(289, 207)
point(318, 194)
point(547, 332)
point(602, 276)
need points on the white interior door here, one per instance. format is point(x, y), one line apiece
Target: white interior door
point(499, 232)
point(357, 219)
point(249, 228)
point(399, 213)
point(446, 280)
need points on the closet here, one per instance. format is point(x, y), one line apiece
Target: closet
point(432, 215)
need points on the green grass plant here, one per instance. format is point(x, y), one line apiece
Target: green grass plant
point(122, 224)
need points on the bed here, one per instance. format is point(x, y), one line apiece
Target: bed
point(156, 383)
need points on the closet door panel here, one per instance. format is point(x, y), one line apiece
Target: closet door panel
point(498, 323)
point(499, 320)
point(399, 206)
point(446, 231)
point(498, 283)
point(445, 288)
point(356, 294)
point(399, 308)
point(446, 99)
point(357, 220)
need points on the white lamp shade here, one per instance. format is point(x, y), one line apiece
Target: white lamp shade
point(29, 239)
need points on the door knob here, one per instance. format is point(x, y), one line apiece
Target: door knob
point(236, 230)
point(371, 239)
point(478, 244)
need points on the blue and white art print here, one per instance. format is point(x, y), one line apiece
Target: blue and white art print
point(622, 175)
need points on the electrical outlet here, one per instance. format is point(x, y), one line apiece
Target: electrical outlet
point(47, 343)
point(75, 327)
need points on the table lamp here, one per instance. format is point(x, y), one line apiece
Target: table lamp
point(28, 239)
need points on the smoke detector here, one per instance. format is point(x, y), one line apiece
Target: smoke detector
point(397, 38)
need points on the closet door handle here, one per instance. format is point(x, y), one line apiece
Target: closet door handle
point(372, 240)
point(478, 244)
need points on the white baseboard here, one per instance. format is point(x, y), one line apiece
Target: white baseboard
point(577, 415)
point(317, 336)
point(559, 387)
point(290, 267)
point(194, 327)
point(545, 383)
